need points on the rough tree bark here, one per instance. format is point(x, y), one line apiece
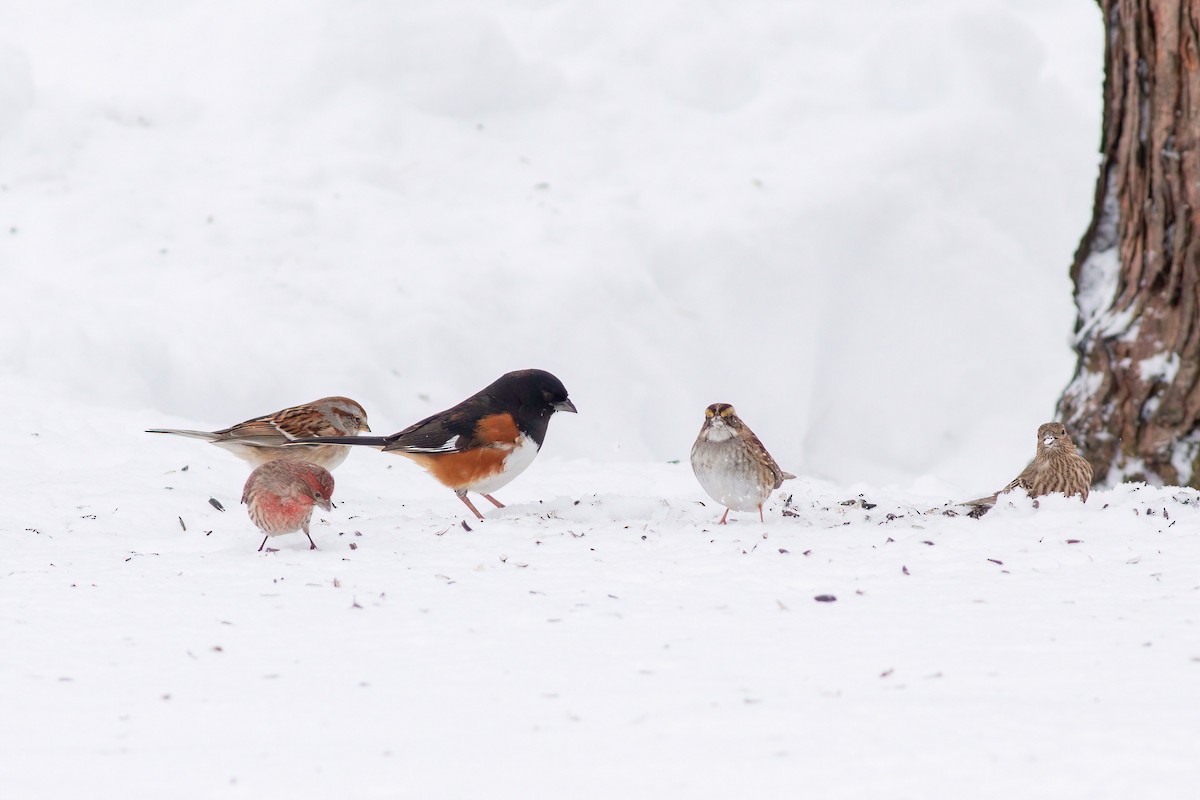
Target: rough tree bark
point(1133, 406)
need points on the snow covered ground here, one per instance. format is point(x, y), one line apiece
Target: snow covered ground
point(852, 220)
point(600, 637)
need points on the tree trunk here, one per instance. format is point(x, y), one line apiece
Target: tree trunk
point(1134, 403)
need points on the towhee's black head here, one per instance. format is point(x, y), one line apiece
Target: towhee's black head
point(531, 396)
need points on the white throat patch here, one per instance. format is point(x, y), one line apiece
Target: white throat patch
point(718, 433)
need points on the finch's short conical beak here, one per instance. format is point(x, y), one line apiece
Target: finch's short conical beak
point(565, 405)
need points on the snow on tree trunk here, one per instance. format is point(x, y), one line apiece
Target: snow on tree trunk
point(1133, 406)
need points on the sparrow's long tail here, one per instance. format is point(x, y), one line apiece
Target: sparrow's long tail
point(205, 435)
point(369, 441)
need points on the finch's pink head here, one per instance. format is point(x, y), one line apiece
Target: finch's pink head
point(319, 484)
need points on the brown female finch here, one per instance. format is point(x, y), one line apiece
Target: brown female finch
point(1056, 467)
point(262, 439)
point(280, 496)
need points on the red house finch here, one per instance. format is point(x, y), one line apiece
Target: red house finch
point(281, 494)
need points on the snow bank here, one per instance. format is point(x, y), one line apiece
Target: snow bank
point(853, 223)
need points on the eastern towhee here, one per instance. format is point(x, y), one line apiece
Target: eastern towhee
point(483, 442)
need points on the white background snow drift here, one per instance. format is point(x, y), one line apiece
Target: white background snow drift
point(853, 223)
point(851, 220)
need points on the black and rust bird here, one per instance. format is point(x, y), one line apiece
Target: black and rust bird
point(1056, 467)
point(483, 442)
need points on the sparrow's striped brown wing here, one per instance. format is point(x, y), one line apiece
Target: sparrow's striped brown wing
point(760, 452)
